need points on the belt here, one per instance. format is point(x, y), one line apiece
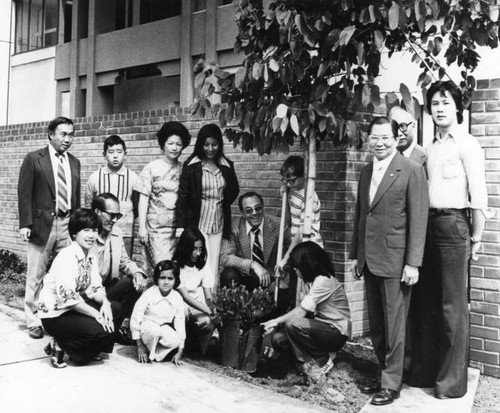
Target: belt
point(447, 211)
point(61, 214)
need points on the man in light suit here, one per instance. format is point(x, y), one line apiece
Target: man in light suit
point(405, 127)
point(122, 277)
point(237, 253)
point(387, 249)
point(48, 191)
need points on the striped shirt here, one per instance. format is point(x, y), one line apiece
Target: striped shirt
point(120, 184)
point(296, 199)
point(212, 195)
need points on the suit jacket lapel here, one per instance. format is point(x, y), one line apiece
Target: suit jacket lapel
point(364, 184)
point(46, 166)
point(391, 174)
point(75, 175)
point(268, 240)
point(245, 239)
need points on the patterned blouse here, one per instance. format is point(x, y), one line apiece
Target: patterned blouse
point(160, 182)
point(72, 279)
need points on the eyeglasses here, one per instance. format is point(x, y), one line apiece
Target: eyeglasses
point(375, 138)
point(258, 209)
point(114, 215)
point(289, 181)
point(403, 127)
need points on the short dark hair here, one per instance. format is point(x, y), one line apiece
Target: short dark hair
point(99, 202)
point(167, 265)
point(249, 194)
point(173, 128)
point(83, 218)
point(293, 164)
point(185, 247)
point(208, 131)
point(113, 140)
point(311, 260)
point(60, 120)
point(442, 88)
point(383, 120)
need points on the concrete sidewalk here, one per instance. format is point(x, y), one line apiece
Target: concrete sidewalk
point(29, 384)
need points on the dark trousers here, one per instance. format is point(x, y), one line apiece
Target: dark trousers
point(309, 339)
point(123, 291)
point(200, 326)
point(439, 312)
point(79, 335)
point(388, 300)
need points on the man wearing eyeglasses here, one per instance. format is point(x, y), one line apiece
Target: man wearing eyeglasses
point(122, 277)
point(387, 248)
point(249, 256)
point(405, 127)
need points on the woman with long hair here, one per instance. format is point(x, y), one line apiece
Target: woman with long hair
point(321, 324)
point(207, 188)
point(196, 285)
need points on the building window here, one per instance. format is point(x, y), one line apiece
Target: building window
point(153, 10)
point(36, 24)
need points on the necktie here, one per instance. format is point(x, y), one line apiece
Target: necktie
point(62, 186)
point(375, 182)
point(257, 254)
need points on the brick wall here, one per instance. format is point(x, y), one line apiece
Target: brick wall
point(485, 273)
point(338, 172)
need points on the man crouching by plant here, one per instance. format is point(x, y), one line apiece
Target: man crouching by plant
point(249, 256)
point(321, 324)
point(123, 279)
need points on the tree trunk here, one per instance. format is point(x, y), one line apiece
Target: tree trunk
point(310, 159)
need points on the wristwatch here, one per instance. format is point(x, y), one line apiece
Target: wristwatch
point(474, 240)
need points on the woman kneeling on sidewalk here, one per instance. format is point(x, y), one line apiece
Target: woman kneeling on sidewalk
point(321, 324)
point(73, 306)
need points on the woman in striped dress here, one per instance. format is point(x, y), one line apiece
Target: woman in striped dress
point(207, 188)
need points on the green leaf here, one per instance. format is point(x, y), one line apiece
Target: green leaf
point(276, 123)
point(360, 48)
point(375, 95)
point(320, 108)
point(351, 131)
point(365, 95)
point(378, 39)
point(281, 110)
point(284, 124)
point(273, 65)
point(391, 100)
point(438, 45)
point(405, 94)
point(346, 34)
point(394, 16)
point(222, 118)
point(256, 70)
point(294, 124)
point(239, 77)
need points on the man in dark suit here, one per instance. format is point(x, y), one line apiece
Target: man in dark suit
point(405, 126)
point(240, 256)
point(48, 191)
point(387, 249)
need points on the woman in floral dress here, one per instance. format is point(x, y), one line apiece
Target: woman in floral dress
point(158, 184)
point(73, 306)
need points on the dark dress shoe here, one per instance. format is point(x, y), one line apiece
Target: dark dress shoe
point(442, 396)
point(384, 396)
point(36, 332)
point(370, 388)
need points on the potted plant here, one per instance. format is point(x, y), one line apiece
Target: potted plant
point(241, 313)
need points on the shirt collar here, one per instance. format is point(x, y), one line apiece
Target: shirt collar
point(79, 254)
point(54, 154)
point(169, 297)
point(454, 133)
point(407, 152)
point(384, 163)
point(121, 171)
point(222, 161)
point(249, 227)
